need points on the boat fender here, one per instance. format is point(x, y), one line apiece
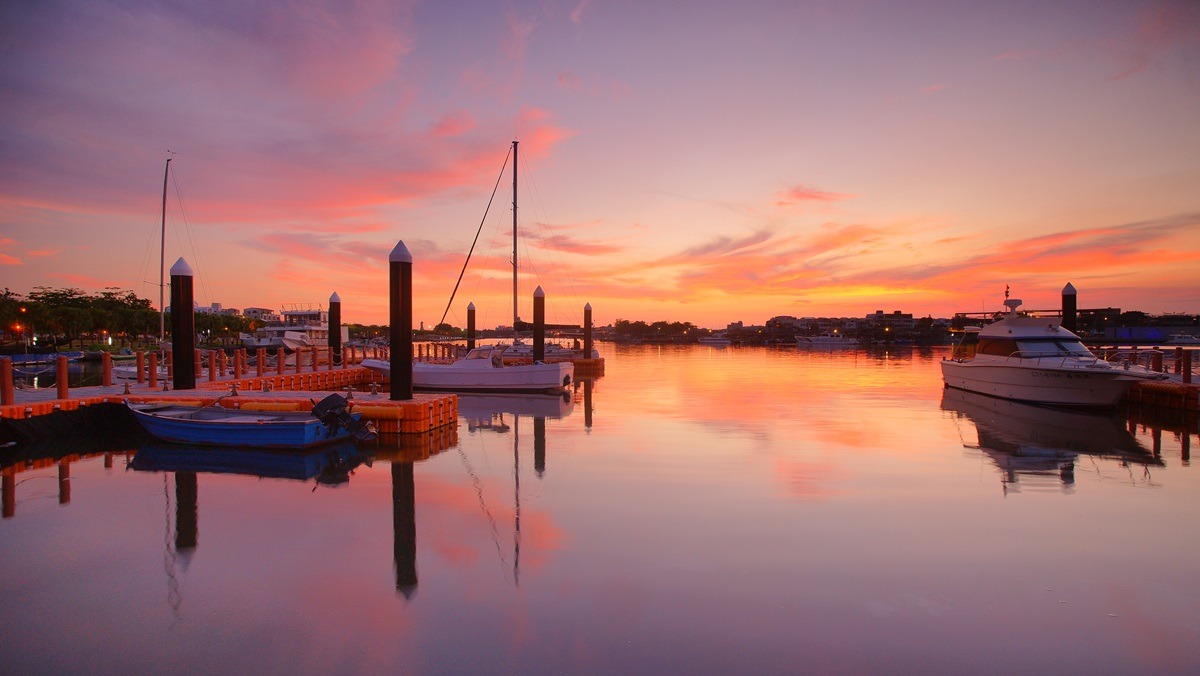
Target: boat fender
point(566, 381)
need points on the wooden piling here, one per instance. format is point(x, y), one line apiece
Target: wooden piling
point(539, 325)
point(6, 381)
point(183, 324)
point(106, 369)
point(60, 379)
point(400, 309)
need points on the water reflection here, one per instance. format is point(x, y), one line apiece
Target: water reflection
point(1040, 445)
point(330, 466)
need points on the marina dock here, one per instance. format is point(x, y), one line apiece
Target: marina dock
point(288, 392)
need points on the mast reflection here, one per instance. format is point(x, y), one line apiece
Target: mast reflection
point(1034, 443)
point(486, 412)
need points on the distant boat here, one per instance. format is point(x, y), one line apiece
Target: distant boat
point(304, 325)
point(827, 340)
point(483, 370)
point(1184, 339)
point(1036, 360)
point(716, 340)
point(328, 422)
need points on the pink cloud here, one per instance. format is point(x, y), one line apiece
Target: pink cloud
point(803, 193)
point(454, 124)
point(1162, 27)
point(933, 88)
point(569, 81)
point(578, 11)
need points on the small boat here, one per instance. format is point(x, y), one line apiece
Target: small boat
point(1036, 360)
point(483, 370)
point(213, 425)
point(303, 325)
point(551, 351)
point(130, 371)
point(716, 340)
point(1184, 339)
point(827, 340)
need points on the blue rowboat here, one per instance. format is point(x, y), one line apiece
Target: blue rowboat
point(216, 426)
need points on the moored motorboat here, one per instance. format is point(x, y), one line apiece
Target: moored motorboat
point(827, 340)
point(211, 425)
point(483, 370)
point(1037, 360)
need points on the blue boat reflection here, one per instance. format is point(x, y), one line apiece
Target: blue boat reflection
point(330, 466)
point(1040, 445)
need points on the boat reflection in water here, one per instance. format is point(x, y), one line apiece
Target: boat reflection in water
point(1040, 444)
point(486, 411)
point(330, 466)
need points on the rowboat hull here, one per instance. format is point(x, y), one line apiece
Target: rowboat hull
point(215, 426)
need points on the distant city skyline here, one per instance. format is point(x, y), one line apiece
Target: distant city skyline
point(698, 161)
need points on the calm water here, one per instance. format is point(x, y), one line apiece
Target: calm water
point(726, 511)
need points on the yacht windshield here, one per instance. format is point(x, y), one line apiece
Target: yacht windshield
point(1052, 347)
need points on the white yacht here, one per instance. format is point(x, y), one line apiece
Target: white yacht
point(1037, 360)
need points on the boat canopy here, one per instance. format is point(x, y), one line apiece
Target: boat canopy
point(1049, 346)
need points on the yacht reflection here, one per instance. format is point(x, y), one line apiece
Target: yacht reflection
point(1038, 443)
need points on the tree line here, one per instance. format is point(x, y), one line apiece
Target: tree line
point(54, 318)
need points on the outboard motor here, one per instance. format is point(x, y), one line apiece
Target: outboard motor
point(332, 411)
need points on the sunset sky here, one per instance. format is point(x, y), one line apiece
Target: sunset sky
point(696, 161)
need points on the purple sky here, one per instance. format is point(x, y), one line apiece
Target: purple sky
point(711, 162)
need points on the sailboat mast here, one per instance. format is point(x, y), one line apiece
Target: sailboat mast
point(162, 263)
point(514, 240)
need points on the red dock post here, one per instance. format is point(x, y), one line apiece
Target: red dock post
point(106, 370)
point(60, 379)
point(6, 381)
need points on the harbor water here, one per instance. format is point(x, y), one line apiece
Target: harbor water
point(695, 510)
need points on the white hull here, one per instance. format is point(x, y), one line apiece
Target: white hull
point(480, 375)
point(1067, 386)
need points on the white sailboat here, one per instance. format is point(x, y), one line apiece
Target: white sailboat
point(483, 368)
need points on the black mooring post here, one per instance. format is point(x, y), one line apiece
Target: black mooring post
point(404, 528)
point(335, 329)
point(183, 325)
point(400, 322)
point(187, 516)
point(1070, 310)
point(587, 331)
point(471, 326)
point(539, 324)
point(539, 446)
